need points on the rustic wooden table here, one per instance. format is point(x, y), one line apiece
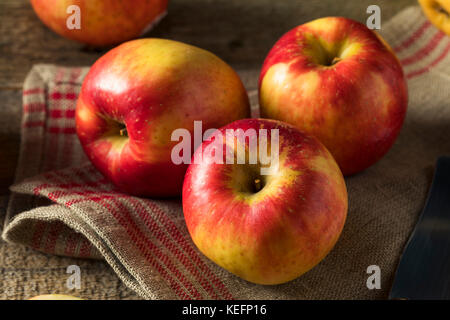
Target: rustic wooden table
point(240, 32)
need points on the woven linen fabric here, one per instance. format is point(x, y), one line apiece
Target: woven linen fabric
point(61, 205)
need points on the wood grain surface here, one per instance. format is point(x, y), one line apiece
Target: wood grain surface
point(239, 31)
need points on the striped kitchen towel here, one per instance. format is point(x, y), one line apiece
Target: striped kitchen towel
point(61, 205)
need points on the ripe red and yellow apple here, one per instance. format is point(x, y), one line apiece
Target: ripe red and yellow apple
point(266, 229)
point(438, 12)
point(103, 22)
point(137, 94)
point(339, 81)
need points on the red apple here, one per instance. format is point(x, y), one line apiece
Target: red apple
point(267, 229)
point(137, 94)
point(102, 22)
point(339, 81)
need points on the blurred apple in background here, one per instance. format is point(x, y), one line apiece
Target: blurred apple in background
point(137, 94)
point(438, 12)
point(339, 81)
point(267, 229)
point(103, 22)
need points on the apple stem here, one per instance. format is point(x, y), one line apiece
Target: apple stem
point(335, 60)
point(123, 132)
point(257, 185)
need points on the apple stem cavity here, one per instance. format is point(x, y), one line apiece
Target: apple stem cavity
point(440, 9)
